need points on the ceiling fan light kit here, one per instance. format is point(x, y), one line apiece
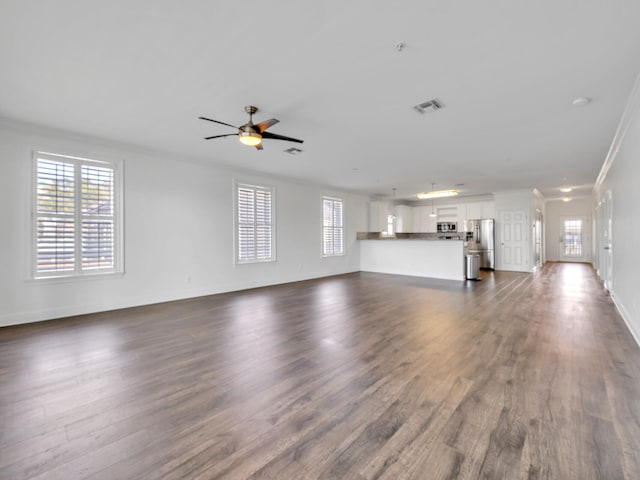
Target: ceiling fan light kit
point(251, 134)
point(249, 138)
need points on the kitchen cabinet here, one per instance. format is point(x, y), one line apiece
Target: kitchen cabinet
point(488, 210)
point(417, 219)
point(431, 223)
point(422, 222)
point(378, 212)
point(474, 211)
point(404, 219)
point(447, 213)
point(415, 257)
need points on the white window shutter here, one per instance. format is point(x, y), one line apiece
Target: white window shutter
point(254, 224)
point(75, 217)
point(332, 227)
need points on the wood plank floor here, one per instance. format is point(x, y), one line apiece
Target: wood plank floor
point(360, 376)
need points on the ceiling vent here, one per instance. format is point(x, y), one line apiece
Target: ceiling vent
point(293, 151)
point(429, 106)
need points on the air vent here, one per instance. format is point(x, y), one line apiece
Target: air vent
point(429, 106)
point(293, 151)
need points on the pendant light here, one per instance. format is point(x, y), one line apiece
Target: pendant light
point(432, 214)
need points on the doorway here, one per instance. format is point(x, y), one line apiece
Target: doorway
point(574, 239)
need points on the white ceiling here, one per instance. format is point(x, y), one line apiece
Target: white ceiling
point(141, 72)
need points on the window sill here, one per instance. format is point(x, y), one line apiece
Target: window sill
point(74, 278)
point(253, 262)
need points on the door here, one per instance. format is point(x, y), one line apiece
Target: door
point(606, 242)
point(537, 239)
point(574, 239)
point(514, 244)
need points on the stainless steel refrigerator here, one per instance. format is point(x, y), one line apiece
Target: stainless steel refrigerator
point(480, 240)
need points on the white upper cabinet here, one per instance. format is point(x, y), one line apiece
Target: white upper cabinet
point(431, 223)
point(378, 212)
point(422, 222)
point(476, 210)
point(447, 213)
point(488, 210)
point(404, 219)
point(416, 219)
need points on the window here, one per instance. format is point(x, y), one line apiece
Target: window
point(254, 224)
point(390, 221)
point(76, 216)
point(332, 227)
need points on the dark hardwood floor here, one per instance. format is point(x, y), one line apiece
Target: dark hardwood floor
point(360, 376)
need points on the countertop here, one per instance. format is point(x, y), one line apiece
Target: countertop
point(455, 236)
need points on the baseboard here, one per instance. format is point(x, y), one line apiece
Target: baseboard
point(32, 316)
point(626, 317)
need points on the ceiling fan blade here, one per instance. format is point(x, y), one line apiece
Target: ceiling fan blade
point(216, 121)
point(262, 126)
point(259, 147)
point(220, 136)
point(275, 136)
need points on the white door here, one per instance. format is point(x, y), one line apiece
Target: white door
point(514, 243)
point(606, 260)
point(537, 240)
point(574, 239)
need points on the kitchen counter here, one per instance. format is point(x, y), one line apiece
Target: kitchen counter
point(418, 257)
point(411, 236)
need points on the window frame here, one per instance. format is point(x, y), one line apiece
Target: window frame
point(237, 185)
point(118, 219)
point(342, 252)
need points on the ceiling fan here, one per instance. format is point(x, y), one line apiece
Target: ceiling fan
point(252, 134)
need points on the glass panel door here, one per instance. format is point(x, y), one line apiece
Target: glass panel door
point(573, 238)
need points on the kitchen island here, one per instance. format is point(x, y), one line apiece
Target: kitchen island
point(419, 257)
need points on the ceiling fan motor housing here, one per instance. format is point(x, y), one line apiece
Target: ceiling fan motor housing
point(247, 129)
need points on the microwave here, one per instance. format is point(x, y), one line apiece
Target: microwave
point(447, 227)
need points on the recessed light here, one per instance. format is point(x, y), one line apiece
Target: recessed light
point(580, 101)
point(566, 199)
point(565, 189)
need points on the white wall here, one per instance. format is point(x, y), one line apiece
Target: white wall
point(555, 211)
point(193, 257)
point(620, 177)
